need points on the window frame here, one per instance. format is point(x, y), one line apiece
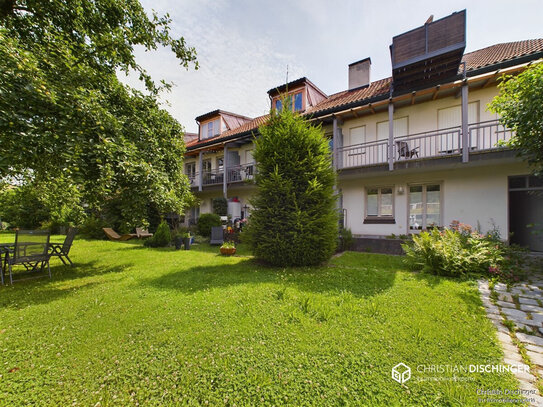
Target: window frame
point(424, 225)
point(291, 101)
point(204, 164)
point(192, 172)
point(379, 218)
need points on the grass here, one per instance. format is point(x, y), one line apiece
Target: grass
point(131, 325)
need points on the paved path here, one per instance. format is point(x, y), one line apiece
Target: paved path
point(517, 313)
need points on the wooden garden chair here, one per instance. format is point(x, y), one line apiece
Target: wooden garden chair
point(143, 233)
point(112, 235)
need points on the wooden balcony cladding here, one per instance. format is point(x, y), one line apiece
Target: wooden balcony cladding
point(429, 53)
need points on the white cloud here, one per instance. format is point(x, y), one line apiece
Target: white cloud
point(244, 46)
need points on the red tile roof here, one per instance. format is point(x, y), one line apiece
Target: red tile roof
point(475, 60)
point(244, 128)
point(501, 52)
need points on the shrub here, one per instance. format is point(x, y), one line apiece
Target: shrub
point(92, 228)
point(220, 206)
point(458, 250)
point(346, 239)
point(161, 238)
point(206, 222)
point(294, 219)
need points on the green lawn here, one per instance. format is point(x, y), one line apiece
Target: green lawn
point(156, 326)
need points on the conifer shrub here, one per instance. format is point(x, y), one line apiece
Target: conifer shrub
point(161, 238)
point(294, 221)
point(206, 221)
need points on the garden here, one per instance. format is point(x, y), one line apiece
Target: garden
point(132, 324)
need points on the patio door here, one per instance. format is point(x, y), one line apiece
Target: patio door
point(526, 211)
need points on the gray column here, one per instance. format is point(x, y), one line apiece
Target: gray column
point(465, 134)
point(390, 136)
point(200, 175)
point(335, 140)
point(225, 172)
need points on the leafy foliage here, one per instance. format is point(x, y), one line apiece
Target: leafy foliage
point(294, 221)
point(161, 238)
point(520, 107)
point(206, 221)
point(346, 240)
point(459, 250)
point(66, 119)
point(220, 206)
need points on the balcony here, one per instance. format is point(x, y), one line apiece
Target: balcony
point(235, 174)
point(241, 173)
point(482, 137)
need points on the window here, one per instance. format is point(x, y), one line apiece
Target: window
point(190, 170)
point(206, 166)
point(298, 101)
point(379, 205)
point(293, 102)
point(424, 206)
point(220, 163)
point(452, 117)
point(210, 129)
point(400, 128)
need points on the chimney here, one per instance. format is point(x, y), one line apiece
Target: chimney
point(359, 73)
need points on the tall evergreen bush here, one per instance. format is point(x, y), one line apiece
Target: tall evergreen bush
point(294, 221)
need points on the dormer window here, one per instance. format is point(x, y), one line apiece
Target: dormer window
point(297, 101)
point(297, 98)
point(211, 129)
point(298, 95)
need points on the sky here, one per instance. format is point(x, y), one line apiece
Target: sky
point(245, 46)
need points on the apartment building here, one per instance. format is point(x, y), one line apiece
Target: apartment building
point(412, 151)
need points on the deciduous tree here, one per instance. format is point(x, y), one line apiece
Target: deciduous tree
point(65, 118)
point(520, 107)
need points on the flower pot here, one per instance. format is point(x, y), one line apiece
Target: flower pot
point(228, 251)
point(178, 242)
point(186, 242)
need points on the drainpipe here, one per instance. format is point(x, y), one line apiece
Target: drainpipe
point(390, 135)
point(465, 134)
point(200, 170)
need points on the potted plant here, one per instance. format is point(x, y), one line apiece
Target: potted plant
point(186, 240)
point(178, 240)
point(228, 248)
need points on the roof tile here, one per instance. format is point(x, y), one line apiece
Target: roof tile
point(488, 56)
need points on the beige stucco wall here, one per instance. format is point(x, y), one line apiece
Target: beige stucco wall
point(471, 194)
point(421, 117)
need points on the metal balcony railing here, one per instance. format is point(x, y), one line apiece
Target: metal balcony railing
point(241, 173)
point(483, 136)
point(213, 177)
point(489, 135)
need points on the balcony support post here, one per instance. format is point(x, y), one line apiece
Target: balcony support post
point(465, 134)
point(225, 173)
point(200, 172)
point(390, 136)
point(335, 140)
